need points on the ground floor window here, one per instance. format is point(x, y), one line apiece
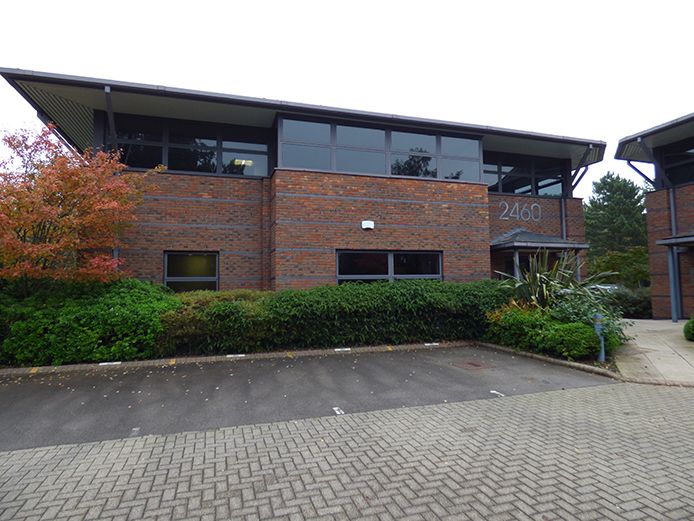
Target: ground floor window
point(369, 266)
point(191, 271)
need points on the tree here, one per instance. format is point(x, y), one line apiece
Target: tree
point(615, 217)
point(61, 212)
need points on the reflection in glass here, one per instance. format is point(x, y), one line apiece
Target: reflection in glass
point(258, 147)
point(511, 184)
point(460, 170)
point(361, 161)
point(306, 131)
point(492, 181)
point(362, 263)
point(456, 146)
point(549, 187)
point(191, 265)
point(140, 156)
point(413, 166)
point(137, 128)
point(244, 163)
point(416, 264)
point(305, 156)
point(190, 133)
point(411, 142)
point(193, 160)
point(361, 137)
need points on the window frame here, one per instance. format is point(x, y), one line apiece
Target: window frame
point(167, 278)
point(387, 150)
point(222, 133)
point(390, 276)
point(533, 175)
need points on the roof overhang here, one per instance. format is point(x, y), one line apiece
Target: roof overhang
point(629, 148)
point(70, 103)
point(522, 239)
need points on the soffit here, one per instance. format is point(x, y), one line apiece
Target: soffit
point(671, 132)
point(70, 102)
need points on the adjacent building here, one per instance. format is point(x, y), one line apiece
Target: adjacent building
point(270, 195)
point(670, 212)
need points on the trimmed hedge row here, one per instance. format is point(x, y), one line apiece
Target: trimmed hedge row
point(331, 316)
point(127, 319)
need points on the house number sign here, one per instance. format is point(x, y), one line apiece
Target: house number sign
point(526, 212)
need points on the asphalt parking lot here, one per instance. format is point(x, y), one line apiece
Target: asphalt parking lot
point(118, 402)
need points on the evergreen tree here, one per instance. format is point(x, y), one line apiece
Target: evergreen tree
point(615, 216)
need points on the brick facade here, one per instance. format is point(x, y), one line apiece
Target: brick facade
point(659, 227)
point(283, 232)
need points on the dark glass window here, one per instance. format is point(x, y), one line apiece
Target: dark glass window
point(512, 184)
point(190, 271)
point(460, 169)
point(524, 175)
point(416, 264)
point(193, 159)
point(244, 163)
point(306, 131)
point(140, 156)
point(361, 137)
point(362, 263)
point(413, 166)
point(369, 266)
point(305, 156)
point(411, 142)
point(191, 146)
point(362, 161)
point(138, 128)
point(456, 146)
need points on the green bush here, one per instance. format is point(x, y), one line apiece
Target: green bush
point(523, 328)
point(74, 323)
point(631, 303)
point(573, 341)
point(689, 329)
point(355, 314)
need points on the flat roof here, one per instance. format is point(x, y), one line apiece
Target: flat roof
point(70, 102)
point(673, 131)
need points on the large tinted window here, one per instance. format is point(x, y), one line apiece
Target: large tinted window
point(191, 146)
point(368, 266)
point(191, 271)
point(354, 149)
point(524, 175)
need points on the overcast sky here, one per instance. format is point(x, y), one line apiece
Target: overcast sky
point(602, 69)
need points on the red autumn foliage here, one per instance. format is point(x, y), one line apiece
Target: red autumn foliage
point(61, 212)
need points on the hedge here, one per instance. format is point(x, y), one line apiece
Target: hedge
point(128, 320)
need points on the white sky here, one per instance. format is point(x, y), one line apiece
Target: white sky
point(594, 69)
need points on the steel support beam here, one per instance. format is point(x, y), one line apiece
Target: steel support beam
point(648, 179)
point(111, 117)
point(674, 273)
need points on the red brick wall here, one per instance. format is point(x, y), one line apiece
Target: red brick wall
point(316, 214)
point(535, 214)
point(659, 227)
point(200, 213)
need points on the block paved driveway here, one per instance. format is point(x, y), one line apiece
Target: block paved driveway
point(615, 451)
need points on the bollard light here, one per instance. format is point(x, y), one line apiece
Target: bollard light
point(597, 321)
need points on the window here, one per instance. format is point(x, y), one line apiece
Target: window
point(524, 175)
point(369, 266)
point(678, 162)
point(336, 147)
point(191, 271)
point(189, 146)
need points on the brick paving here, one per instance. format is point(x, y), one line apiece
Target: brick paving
point(622, 451)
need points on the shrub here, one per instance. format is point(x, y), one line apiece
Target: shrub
point(632, 303)
point(689, 329)
point(573, 341)
point(83, 323)
point(523, 328)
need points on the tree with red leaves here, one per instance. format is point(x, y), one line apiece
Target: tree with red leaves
point(61, 211)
